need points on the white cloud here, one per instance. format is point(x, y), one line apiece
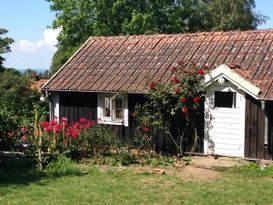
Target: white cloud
point(33, 54)
point(48, 42)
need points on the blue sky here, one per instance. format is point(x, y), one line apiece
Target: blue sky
point(27, 22)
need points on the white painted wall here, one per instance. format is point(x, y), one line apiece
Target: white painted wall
point(224, 127)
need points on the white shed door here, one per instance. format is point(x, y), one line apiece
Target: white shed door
point(225, 121)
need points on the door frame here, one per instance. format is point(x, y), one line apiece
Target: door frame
point(209, 105)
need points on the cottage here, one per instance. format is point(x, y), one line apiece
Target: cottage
point(238, 111)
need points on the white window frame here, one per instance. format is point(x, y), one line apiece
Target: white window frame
point(112, 120)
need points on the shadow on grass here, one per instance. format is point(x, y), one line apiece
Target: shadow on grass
point(23, 172)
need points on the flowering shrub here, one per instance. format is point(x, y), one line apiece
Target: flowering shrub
point(79, 139)
point(174, 104)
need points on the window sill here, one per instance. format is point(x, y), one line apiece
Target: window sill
point(109, 122)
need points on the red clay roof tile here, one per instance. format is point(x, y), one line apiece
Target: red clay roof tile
point(123, 63)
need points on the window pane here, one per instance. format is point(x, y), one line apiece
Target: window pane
point(119, 113)
point(118, 103)
point(106, 109)
point(224, 99)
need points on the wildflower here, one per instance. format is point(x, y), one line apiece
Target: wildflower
point(77, 125)
point(185, 110)
point(44, 124)
point(88, 124)
point(83, 120)
point(64, 119)
point(201, 72)
point(24, 129)
point(47, 129)
point(24, 138)
point(75, 134)
point(57, 128)
point(177, 90)
point(183, 100)
point(53, 123)
point(153, 85)
point(196, 99)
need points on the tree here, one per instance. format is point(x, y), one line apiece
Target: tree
point(4, 46)
point(80, 19)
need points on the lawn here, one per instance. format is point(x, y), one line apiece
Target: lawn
point(91, 185)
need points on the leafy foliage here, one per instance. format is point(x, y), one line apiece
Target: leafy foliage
point(80, 19)
point(174, 105)
point(4, 46)
point(17, 101)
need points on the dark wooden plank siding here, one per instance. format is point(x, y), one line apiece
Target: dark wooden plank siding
point(254, 130)
point(74, 105)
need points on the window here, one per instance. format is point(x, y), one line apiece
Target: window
point(225, 99)
point(112, 110)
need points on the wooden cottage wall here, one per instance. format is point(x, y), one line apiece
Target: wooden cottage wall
point(74, 105)
point(254, 131)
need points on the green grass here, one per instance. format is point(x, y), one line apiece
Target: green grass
point(28, 186)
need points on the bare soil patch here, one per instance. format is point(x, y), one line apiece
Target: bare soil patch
point(201, 168)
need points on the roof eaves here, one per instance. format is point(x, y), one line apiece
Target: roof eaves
point(224, 71)
point(64, 65)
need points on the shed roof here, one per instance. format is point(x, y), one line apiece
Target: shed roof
point(123, 63)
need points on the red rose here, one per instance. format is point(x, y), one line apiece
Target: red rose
point(146, 129)
point(196, 99)
point(185, 110)
point(201, 72)
point(183, 100)
point(177, 90)
point(174, 80)
point(153, 85)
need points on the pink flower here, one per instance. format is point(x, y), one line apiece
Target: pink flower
point(65, 141)
point(196, 99)
point(57, 128)
point(47, 129)
point(23, 129)
point(201, 72)
point(75, 134)
point(44, 124)
point(183, 100)
point(83, 120)
point(153, 85)
point(24, 138)
point(88, 124)
point(53, 123)
point(64, 119)
point(77, 125)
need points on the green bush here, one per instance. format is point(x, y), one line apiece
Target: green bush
point(62, 165)
point(98, 139)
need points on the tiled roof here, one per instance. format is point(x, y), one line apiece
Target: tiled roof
point(123, 63)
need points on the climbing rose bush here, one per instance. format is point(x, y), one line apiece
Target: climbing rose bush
point(178, 100)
